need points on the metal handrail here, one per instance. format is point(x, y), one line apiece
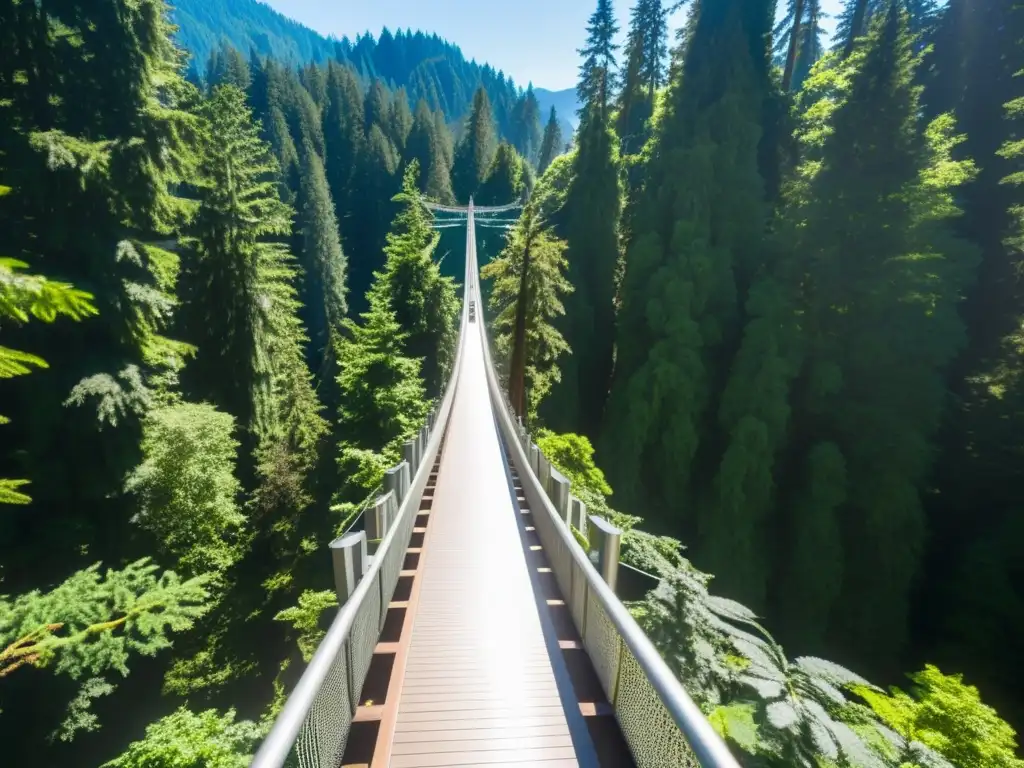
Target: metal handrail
point(709, 748)
point(274, 750)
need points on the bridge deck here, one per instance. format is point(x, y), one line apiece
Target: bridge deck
point(484, 684)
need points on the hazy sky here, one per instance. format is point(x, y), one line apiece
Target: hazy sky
point(532, 40)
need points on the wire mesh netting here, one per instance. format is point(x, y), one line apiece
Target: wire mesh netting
point(363, 638)
point(324, 733)
point(653, 736)
point(603, 644)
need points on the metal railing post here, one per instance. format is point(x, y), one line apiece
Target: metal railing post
point(560, 487)
point(377, 522)
point(605, 541)
point(348, 555)
point(393, 482)
point(544, 473)
point(578, 515)
point(409, 455)
point(407, 474)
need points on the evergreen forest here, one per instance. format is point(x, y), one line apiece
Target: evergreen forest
point(764, 308)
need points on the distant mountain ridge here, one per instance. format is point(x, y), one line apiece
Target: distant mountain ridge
point(247, 25)
point(425, 65)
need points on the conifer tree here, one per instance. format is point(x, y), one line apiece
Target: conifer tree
point(323, 264)
point(425, 147)
point(597, 71)
point(227, 66)
point(343, 141)
point(475, 151)
point(798, 41)
point(895, 201)
point(314, 80)
point(382, 398)
point(423, 301)
point(399, 119)
point(645, 55)
point(529, 281)
point(445, 138)
point(505, 182)
point(377, 107)
point(105, 152)
point(240, 305)
point(551, 144)
point(695, 240)
point(591, 228)
point(376, 183)
point(23, 297)
point(526, 131)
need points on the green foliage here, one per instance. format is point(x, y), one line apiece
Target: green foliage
point(188, 740)
point(948, 717)
point(526, 135)
point(186, 486)
point(551, 144)
point(24, 296)
point(241, 309)
point(79, 716)
point(475, 150)
point(589, 222)
point(644, 72)
point(381, 394)
point(597, 71)
point(896, 202)
point(426, 146)
point(543, 279)
point(230, 254)
point(322, 262)
point(574, 456)
point(424, 301)
point(305, 619)
point(505, 182)
point(93, 621)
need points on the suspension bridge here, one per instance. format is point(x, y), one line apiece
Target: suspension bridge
point(474, 629)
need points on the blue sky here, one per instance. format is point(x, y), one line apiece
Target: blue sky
point(554, 29)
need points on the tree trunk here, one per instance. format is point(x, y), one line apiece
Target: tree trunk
point(856, 25)
point(794, 45)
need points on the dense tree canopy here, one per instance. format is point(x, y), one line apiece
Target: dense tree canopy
point(777, 288)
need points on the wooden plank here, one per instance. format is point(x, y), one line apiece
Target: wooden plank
point(480, 757)
point(473, 744)
point(478, 685)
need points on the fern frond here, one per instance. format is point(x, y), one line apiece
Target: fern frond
point(14, 362)
point(9, 492)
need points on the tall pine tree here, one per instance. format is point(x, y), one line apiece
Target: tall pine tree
point(695, 244)
point(590, 226)
point(645, 56)
point(427, 148)
point(526, 132)
point(551, 144)
point(323, 264)
point(880, 330)
point(424, 301)
point(475, 151)
point(529, 281)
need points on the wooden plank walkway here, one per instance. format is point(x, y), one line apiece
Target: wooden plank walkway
point(479, 687)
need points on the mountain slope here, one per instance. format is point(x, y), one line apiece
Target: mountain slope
point(246, 24)
point(425, 65)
